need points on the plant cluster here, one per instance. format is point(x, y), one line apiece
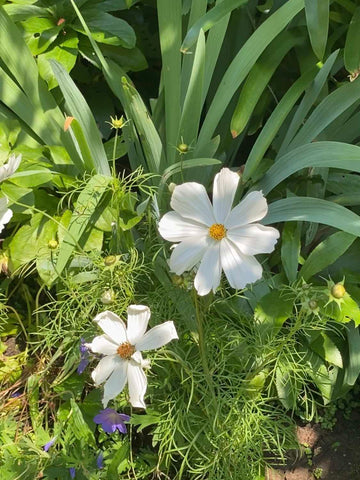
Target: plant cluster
point(106, 176)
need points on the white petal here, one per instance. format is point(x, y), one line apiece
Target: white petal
point(157, 337)
point(225, 185)
point(104, 368)
point(175, 228)
point(103, 344)
point(137, 385)
point(112, 325)
point(115, 383)
point(190, 200)
point(137, 322)
point(239, 269)
point(5, 217)
point(187, 254)
point(209, 273)
point(254, 238)
point(251, 209)
point(138, 359)
point(10, 167)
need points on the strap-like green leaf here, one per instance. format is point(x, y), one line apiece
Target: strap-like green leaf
point(317, 20)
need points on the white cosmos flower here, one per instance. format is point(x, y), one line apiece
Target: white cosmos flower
point(5, 213)
point(121, 346)
point(10, 167)
point(217, 237)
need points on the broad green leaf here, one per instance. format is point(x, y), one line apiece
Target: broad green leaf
point(65, 54)
point(40, 33)
point(352, 44)
point(80, 110)
point(82, 219)
point(318, 154)
point(120, 455)
point(313, 210)
point(258, 79)
point(273, 310)
point(287, 386)
point(31, 178)
point(273, 124)
point(211, 18)
point(242, 64)
point(106, 28)
point(23, 12)
point(326, 253)
point(290, 249)
point(353, 367)
point(170, 28)
point(326, 349)
point(317, 20)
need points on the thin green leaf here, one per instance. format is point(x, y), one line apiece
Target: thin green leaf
point(80, 110)
point(318, 154)
point(317, 20)
point(211, 18)
point(307, 102)
point(274, 123)
point(258, 79)
point(326, 253)
point(313, 210)
point(194, 162)
point(290, 249)
point(352, 44)
point(242, 64)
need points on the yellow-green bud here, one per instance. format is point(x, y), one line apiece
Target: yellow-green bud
point(108, 297)
point(183, 147)
point(110, 260)
point(171, 187)
point(313, 304)
point(338, 290)
point(53, 244)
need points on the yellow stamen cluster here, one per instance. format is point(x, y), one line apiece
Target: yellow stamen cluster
point(217, 231)
point(126, 350)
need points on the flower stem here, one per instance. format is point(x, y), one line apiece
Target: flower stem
point(114, 152)
point(202, 345)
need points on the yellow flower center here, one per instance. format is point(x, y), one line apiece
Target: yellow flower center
point(126, 350)
point(217, 231)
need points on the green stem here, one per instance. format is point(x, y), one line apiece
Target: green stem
point(114, 152)
point(202, 346)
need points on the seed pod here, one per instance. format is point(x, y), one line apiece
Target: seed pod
point(338, 290)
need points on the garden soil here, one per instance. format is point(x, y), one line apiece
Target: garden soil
point(330, 455)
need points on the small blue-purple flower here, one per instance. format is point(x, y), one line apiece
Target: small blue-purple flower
point(111, 420)
point(100, 461)
point(72, 472)
point(84, 356)
point(49, 444)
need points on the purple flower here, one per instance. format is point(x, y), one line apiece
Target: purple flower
point(72, 472)
point(100, 460)
point(84, 356)
point(49, 444)
point(111, 420)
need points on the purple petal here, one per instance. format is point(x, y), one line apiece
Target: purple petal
point(49, 444)
point(111, 420)
point(124, 417)
point(84, 362)
point(72, 472)
point(100, 460)
point(121, 427)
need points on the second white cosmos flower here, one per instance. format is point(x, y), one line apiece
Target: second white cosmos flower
point(121, 346)
point(217, 237)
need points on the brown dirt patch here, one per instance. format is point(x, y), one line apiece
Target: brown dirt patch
point(324, 455)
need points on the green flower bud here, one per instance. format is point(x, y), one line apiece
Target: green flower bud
point(110, 260)
point(183, 148)
point(108, 297)
point(53, 244)
point(338, 290)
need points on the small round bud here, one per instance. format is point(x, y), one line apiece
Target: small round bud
point(313, 304)
point(338, 290)
point(171, 187)
point(110, 260)
point(183, 148)
point(108, 297)
point(53, 244)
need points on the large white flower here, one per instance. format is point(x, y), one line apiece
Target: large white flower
point(5, 213)
point(217, 237)
point(122, 346)
point(10, 167)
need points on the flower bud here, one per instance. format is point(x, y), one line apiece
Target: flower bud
point(108, 297)
point(52, 244)
point(183, 148)
point(313, 305)
point(338, 290)
point(171, 187)
point(110, 260)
